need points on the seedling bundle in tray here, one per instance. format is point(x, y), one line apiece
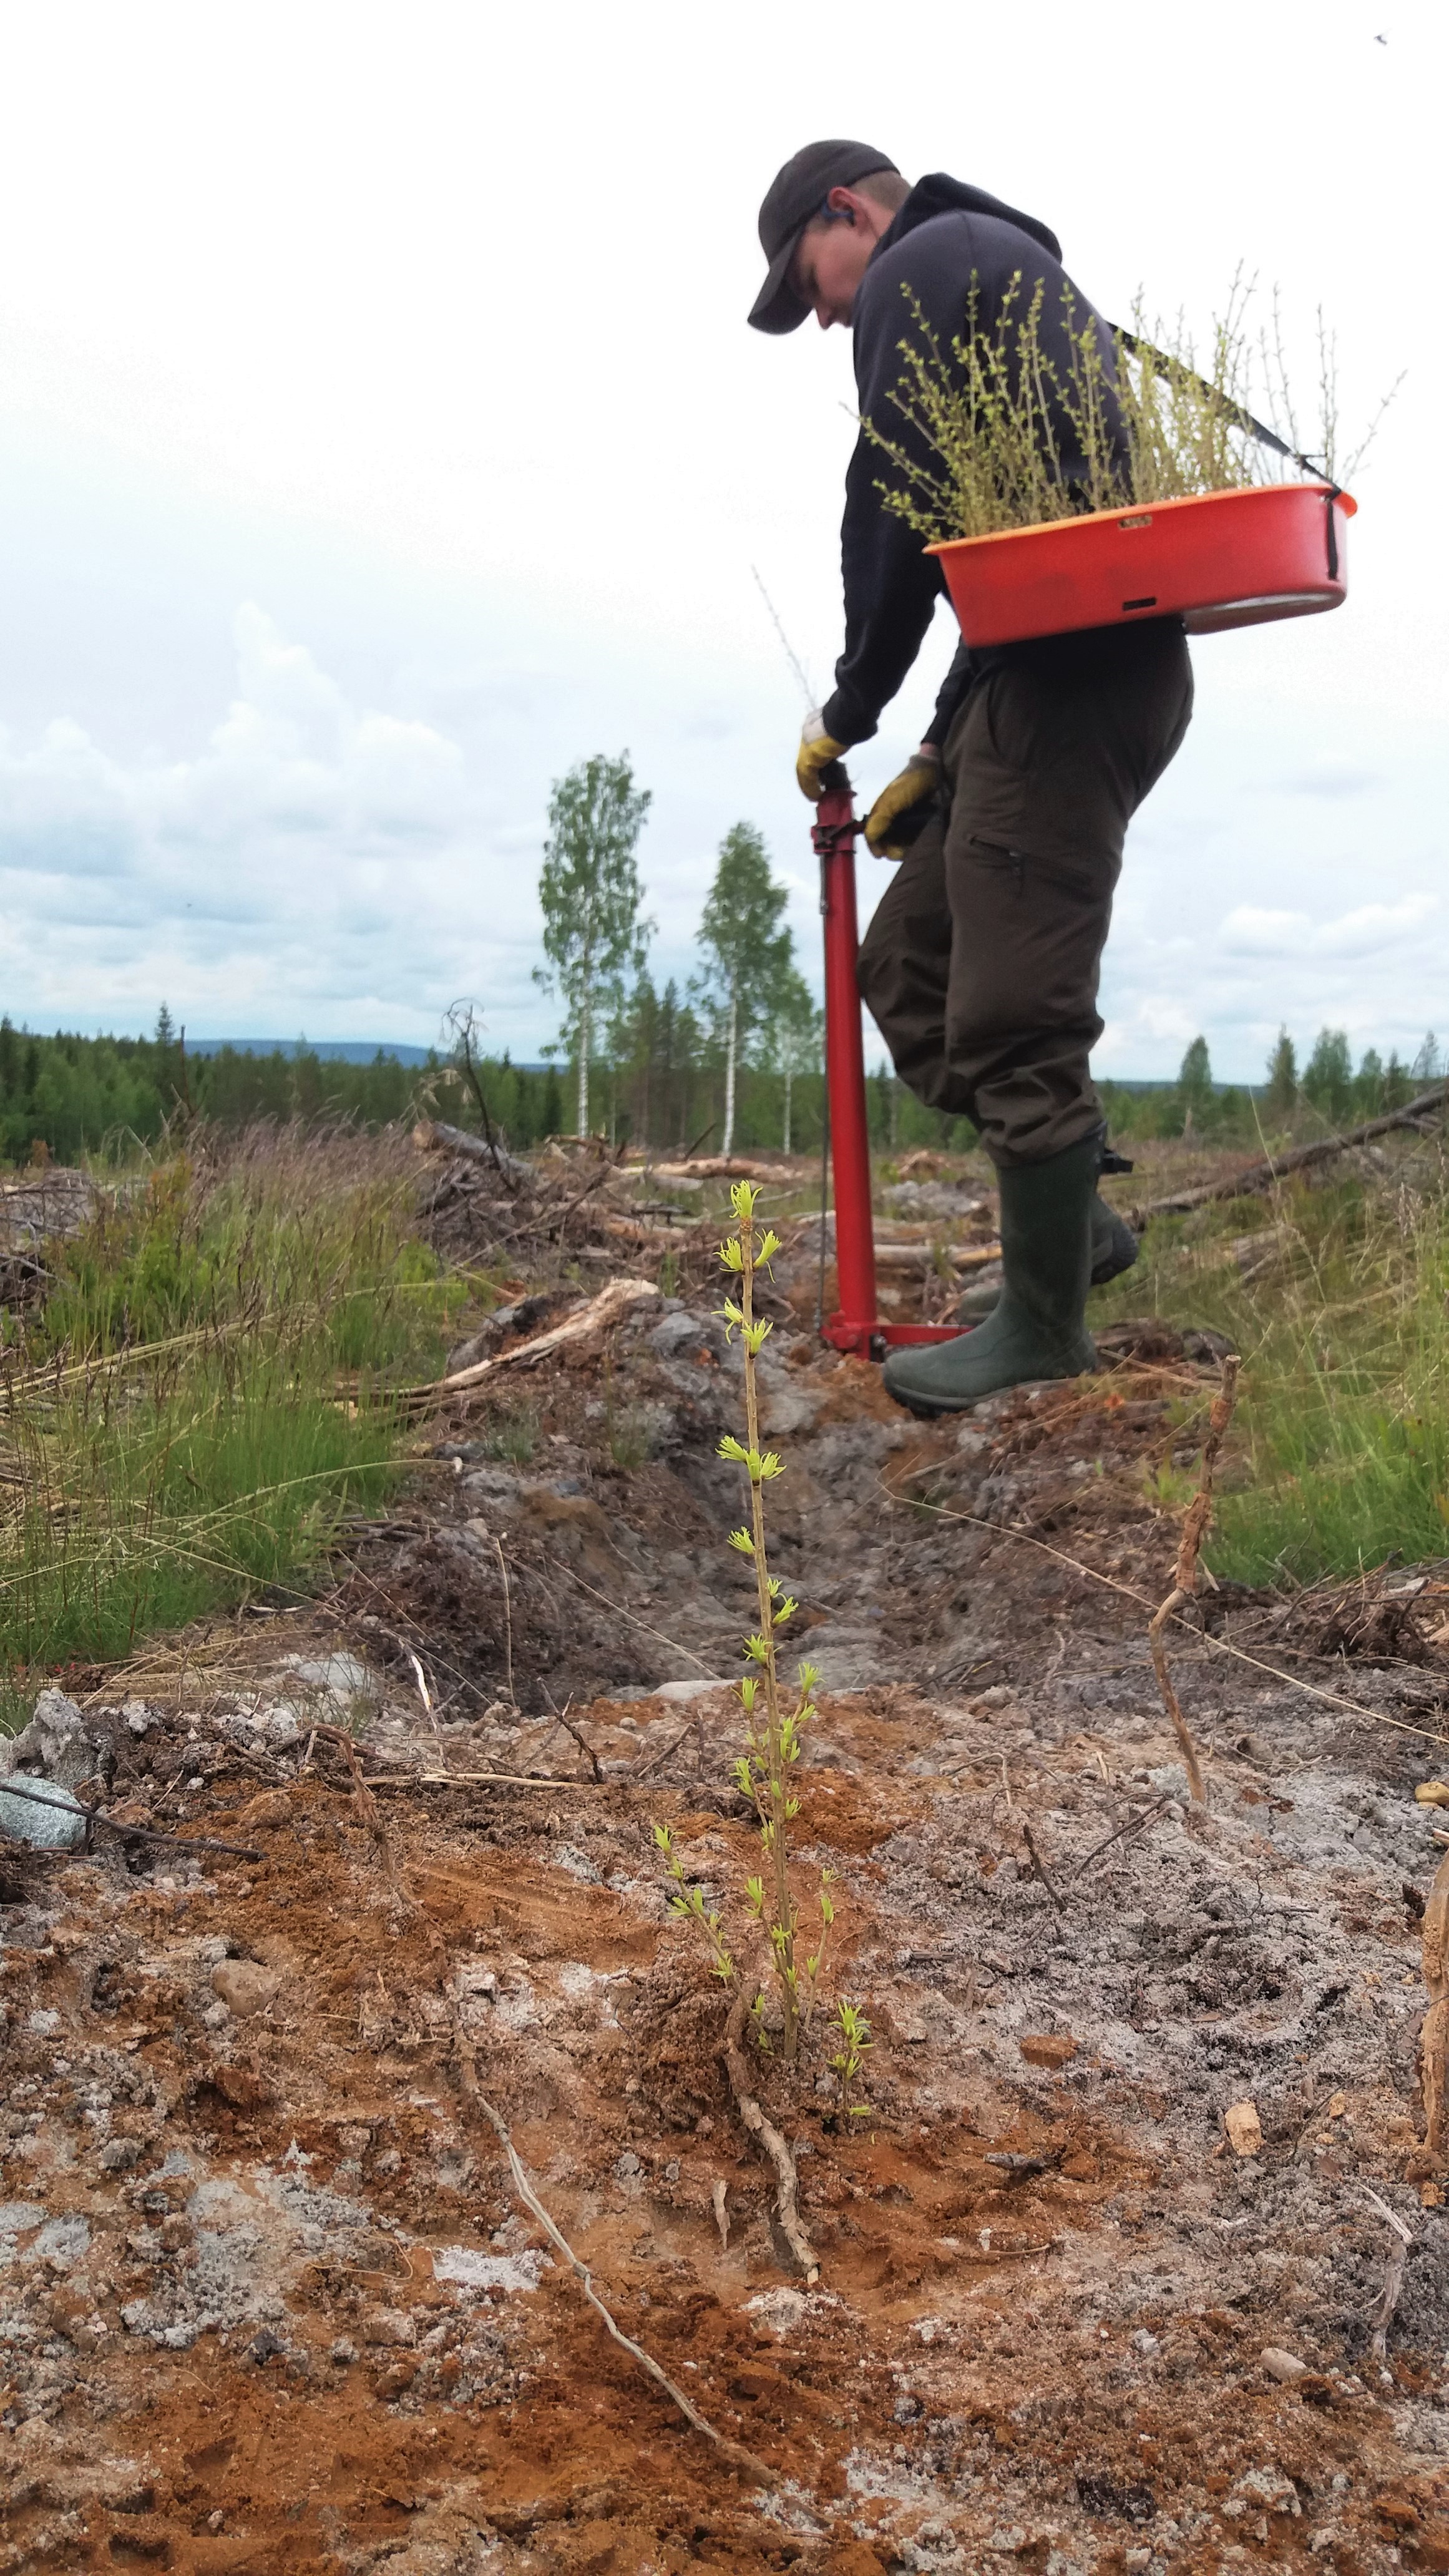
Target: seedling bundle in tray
point(1081, 478)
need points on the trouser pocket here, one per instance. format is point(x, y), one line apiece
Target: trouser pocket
point(1014, 864)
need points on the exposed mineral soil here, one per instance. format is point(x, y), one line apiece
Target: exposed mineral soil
point(270, 2298)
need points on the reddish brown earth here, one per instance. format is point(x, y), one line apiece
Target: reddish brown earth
point(270, 2301)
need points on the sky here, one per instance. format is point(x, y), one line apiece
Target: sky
point(380, 434)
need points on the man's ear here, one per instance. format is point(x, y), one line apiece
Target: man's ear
point(839, 207)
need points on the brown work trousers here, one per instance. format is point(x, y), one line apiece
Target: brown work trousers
point(980, 966)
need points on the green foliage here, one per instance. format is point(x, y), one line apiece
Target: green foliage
point(589, 890)
point(1328, 1076)
point(793, 1042)
point(1282, 1089)
point(178, 1432)
point(853, 2031)
point(748, 956)
point(103, 1096)
point(1029, 417)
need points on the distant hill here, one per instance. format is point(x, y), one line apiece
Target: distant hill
point(327, 1050)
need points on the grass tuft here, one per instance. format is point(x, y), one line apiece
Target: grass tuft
point(1338, 1299)
point(206, 1391)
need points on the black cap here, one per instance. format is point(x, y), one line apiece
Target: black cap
point(797, 193)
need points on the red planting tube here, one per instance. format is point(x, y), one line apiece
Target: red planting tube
point(855, 1325)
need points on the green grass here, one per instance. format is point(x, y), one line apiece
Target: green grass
point(207, 1390)
point(1339, 1456)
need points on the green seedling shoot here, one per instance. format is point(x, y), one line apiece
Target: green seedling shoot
point(849, 2059)
point(775, 1727)
point(776, 1717)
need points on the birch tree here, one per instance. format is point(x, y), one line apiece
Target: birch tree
point(795, 1039)
point(589, 889)
point(747, 955)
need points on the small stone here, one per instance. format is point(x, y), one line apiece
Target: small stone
point(389, 2326)
point(342, 2353)
point(118, 2155)
point(1145, 2343)
point(244, 1987)
point(1244, 2128)
point(1047, 2047)
point(1282, 2365)
point(264, 2346)
point(907, 2409)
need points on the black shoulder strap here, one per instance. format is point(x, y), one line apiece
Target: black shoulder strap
point(1255, 428)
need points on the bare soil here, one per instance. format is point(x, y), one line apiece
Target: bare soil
point(268, 2298)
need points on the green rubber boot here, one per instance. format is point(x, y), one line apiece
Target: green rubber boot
point(1036, 1330)
point(1114, 1245)
point(1114, 1249)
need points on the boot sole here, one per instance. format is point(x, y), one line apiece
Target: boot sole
point(932, 1409)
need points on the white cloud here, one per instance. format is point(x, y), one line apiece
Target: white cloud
point(311, 854)
point(1249, 931)
point(1374, 926)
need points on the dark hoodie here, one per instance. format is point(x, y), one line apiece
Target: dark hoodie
point(945, 235)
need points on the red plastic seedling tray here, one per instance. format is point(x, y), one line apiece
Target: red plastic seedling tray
point(1220, 559)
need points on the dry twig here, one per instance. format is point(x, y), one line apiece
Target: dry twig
point(507, 1625)
point(369, 1810)
point(787, 2203)
point(1143, 1816)
point(562, 1718)
point(1383, 2314)
point(1184, 1582)
point(734, 2452)
point(10, 1788)
point(1040, 1867)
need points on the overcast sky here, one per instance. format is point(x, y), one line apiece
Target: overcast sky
point(379, 434)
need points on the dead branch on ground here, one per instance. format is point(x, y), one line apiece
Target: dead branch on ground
point(10, 1787)
point(1184, 1582)
point(734, 2452)
point(434, 1136)
point(1299, 1158)
point(787, 2204)
point(615, 1299)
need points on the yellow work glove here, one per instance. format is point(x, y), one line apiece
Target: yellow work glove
point(816, 752)
point(920, 778)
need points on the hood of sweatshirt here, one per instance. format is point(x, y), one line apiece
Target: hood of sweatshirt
point(939, 194)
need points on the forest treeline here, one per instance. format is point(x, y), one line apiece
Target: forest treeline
point(659, 1079)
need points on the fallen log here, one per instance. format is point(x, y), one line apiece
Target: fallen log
point(718, 1167)
point(921, 1257)
point(614, 1301)
point(434, 1136)
point(1299, 1158)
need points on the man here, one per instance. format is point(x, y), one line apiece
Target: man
point(981, 964)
